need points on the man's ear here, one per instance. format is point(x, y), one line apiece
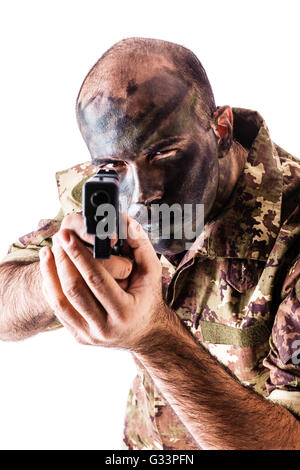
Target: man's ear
point(223, 129)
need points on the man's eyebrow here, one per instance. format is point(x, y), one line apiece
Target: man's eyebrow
point(151, 148)
point(163, 143)
point(102, 160)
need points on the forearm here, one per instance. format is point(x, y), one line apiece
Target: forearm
point(215, 408)
point(23, 308)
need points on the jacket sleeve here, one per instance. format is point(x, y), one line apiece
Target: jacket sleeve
point(27, 247)
point(283, 359)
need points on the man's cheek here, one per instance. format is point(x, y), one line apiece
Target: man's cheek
point(129, 186)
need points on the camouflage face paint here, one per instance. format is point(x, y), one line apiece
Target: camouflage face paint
point(115, 125)
point(172, 157)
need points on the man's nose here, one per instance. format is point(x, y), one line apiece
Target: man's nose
point(145, 187)
point(150, 186)
point(155, 197)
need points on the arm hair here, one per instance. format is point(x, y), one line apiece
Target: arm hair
point(24, 311)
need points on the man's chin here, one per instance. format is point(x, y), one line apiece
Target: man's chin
point(168, 247)
point(165, 246)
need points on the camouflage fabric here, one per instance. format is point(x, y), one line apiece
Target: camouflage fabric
point(237, 289)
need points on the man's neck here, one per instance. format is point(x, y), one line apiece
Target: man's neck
point(231, 168)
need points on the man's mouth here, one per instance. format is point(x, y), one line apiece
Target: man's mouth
point(142, 213)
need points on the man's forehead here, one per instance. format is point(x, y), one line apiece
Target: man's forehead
point(122, 120)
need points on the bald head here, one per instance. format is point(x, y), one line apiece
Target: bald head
point(135, 86)
point(129, 58)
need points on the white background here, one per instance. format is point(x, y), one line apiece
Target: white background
point(54, 393)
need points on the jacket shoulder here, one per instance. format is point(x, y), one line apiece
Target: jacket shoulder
point(69, 184)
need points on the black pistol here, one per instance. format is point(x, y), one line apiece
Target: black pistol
point(100, 201)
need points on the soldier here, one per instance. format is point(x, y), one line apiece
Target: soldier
point(214, 328)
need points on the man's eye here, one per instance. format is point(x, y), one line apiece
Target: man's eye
point(118, 164)
point(155, 156)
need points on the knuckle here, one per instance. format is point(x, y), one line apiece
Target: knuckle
point(59, 255)
point(123, 271)
point(67, 221)
point(95, 280)
point(74, 289)
point(76, 253)
point(59, 303)
point(74, 222)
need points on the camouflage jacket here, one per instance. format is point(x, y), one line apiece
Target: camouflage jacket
point(237, 289)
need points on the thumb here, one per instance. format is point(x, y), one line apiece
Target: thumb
point(143, 251)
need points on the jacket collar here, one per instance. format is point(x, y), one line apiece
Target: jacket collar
point(249, 224)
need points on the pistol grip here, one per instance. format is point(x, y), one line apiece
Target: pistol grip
point(102, 248)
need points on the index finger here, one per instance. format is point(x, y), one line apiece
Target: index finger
point(144, 254)
point(75, 222)
point(104, 287)
point(118, 266)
